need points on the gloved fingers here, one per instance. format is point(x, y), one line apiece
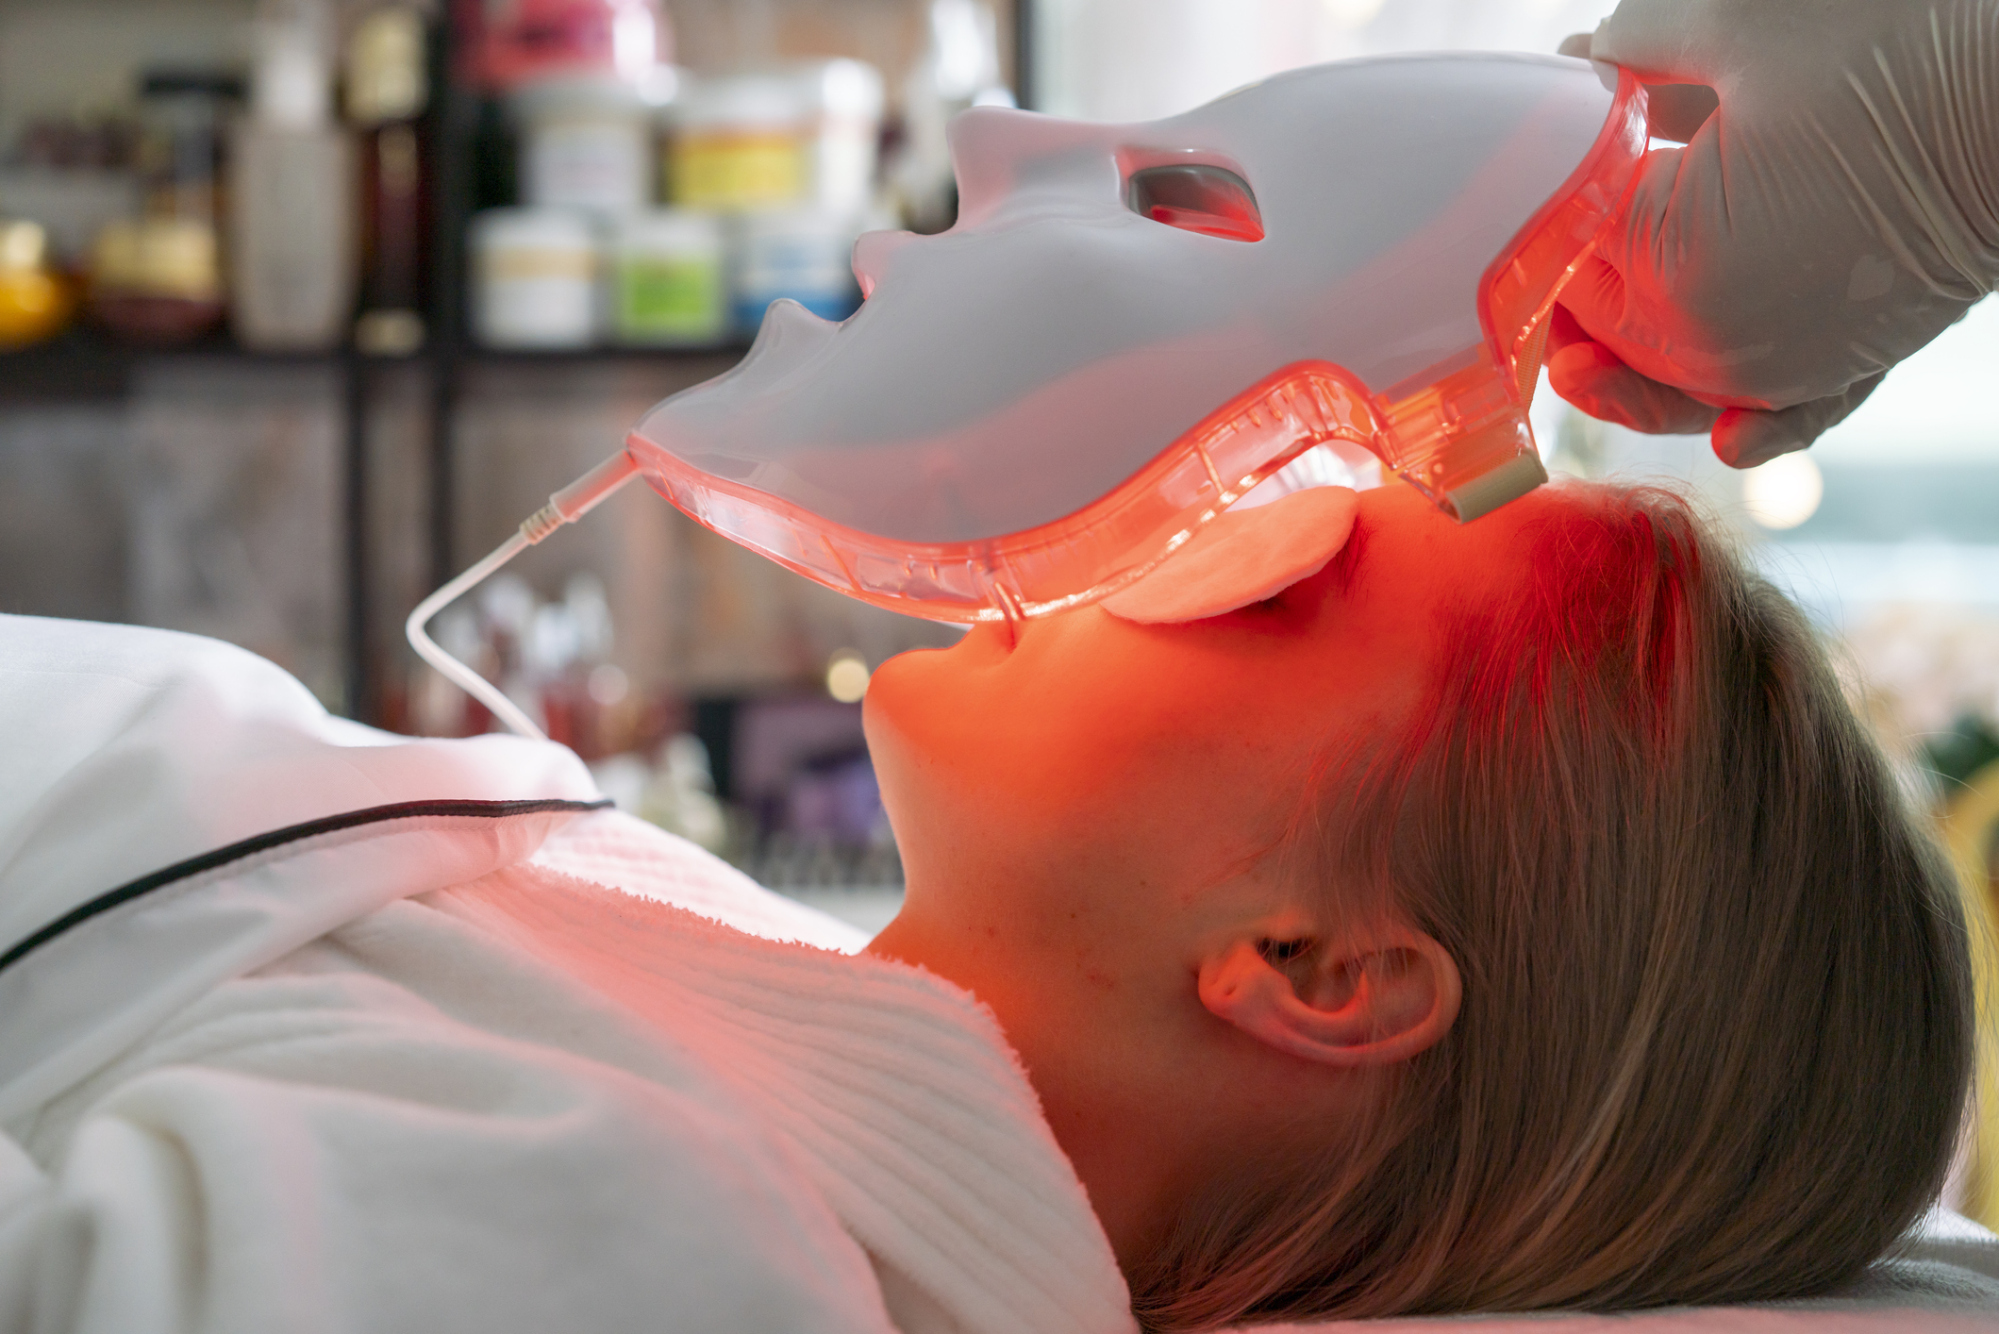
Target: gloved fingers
point(1672, 41)
point(1676, 111)
point(1562, 328)
point(1592, 377)
point(1641, 295)
point(1592, 304)
point(1673, 110)
point(1744, 437)
point(1596, 307)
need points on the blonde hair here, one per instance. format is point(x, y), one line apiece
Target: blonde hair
point(1716, 1031)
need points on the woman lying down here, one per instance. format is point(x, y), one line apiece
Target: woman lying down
point(1496, 918)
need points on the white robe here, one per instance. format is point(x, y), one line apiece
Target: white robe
point(395, 1075)
point(480, 1058)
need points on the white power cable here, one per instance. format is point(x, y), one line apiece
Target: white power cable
point(454, 671)
point(568, 505)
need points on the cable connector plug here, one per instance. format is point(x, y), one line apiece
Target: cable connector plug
point(581, 496)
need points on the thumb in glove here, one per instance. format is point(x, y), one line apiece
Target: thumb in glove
point(1763, 278)
point(1593, 378)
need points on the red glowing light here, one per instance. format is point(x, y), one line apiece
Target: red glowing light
point(1208, 224)
point(1196, 197)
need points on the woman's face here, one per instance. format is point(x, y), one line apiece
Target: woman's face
point(1141, 758)
point(1092, 813)
point(1086, 813)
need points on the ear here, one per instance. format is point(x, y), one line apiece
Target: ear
point(1363, 1004)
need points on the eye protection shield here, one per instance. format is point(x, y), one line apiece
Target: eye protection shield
point(1132, 326)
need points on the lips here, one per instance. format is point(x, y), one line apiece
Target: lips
point(995, 641)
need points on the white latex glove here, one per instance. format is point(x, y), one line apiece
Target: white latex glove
point(1838, 211)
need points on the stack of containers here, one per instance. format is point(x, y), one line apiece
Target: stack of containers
point(768, 177)
point(582, 80)
point(585, 165)
point(786, 159)
point(157, 277)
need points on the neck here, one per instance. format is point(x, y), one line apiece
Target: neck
point(1128, 1155)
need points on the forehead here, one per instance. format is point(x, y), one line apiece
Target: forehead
point(1407, 558)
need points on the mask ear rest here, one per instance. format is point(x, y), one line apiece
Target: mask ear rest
point(1242, 556)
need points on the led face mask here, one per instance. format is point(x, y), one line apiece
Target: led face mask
point(1131, 325)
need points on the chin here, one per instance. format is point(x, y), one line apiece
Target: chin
point(895, 693)
point(932, 677)
point(912, 672)
point(904, 697)
point(917, 716)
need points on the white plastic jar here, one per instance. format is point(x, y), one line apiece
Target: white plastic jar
point(801, 136)
point(740, 142)
point(586, 143)
point(534, 278)
point(667, 281)
point(803, 254)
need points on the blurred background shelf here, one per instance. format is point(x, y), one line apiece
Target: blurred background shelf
point(81, 365)
point(725, 352)
point(300, 503)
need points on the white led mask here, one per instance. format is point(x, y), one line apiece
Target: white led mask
point(1131, 325)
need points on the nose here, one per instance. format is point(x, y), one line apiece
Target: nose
point(1000, 154)
point(871, 255)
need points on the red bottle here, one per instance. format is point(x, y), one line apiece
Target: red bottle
point(386, 91)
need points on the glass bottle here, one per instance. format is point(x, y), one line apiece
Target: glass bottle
point(387, 88)
point(157, 277)
point(291, 239)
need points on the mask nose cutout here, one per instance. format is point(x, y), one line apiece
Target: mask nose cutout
point(1213, 201)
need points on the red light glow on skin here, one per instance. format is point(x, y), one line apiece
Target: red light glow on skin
point(1087, 815)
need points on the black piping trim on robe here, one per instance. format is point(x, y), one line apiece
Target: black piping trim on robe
point(250, 847)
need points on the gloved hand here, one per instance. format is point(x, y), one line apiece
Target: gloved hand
point(1838, 211)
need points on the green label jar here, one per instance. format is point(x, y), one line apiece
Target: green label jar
point(669, 279)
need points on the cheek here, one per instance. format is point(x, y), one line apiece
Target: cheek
point(1066, 742)
point(1095, 752)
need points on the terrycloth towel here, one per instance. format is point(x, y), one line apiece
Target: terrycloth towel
point(294, 1037)
point(895, 1090)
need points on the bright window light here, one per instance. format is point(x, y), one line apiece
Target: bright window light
point(847, 676)
point(1784, 492)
